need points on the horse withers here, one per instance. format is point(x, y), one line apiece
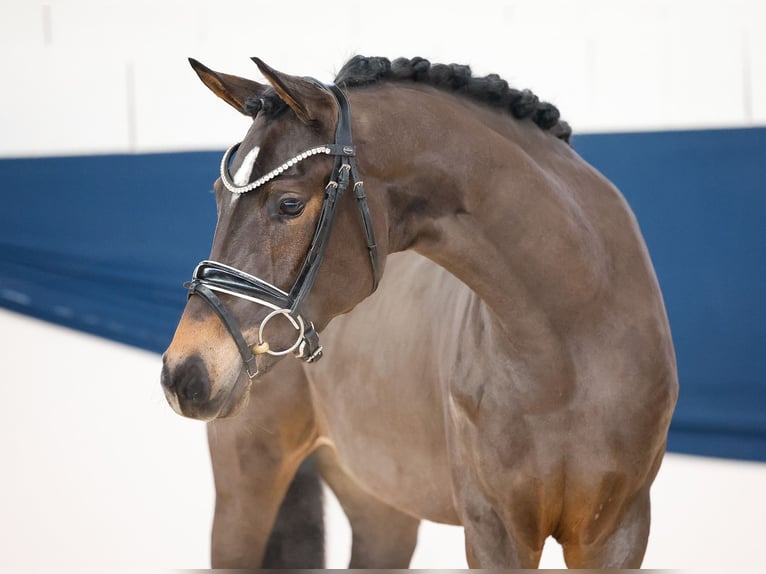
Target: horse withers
point(515, 375)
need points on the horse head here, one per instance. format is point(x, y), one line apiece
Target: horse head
point(263, 294)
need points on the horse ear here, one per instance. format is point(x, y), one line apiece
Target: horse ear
point(234, 90)
point(311, 102)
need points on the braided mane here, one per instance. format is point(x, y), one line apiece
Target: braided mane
point(491, 89)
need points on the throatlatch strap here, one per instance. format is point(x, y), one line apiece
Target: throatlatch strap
point(343, 137)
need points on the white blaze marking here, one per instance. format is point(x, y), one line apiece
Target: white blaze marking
point(242, 177)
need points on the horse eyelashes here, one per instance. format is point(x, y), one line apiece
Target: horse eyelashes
point(291, 206)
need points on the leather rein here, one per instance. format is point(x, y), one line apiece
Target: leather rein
point(210, 277)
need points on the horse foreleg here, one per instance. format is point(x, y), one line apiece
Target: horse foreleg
point(255, 456)
point(248, 495)
point(488, 542)
point(622, 547)
point(382, 536)
point(297, 537)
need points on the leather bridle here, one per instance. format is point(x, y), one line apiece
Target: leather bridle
point(211, 276)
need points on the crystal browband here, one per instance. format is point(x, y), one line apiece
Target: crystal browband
point(234, 188)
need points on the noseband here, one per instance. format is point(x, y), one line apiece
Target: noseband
point(211, 276)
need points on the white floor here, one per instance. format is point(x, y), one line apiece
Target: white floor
point(97, 472)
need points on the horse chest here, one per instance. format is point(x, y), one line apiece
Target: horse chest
point(389, 436)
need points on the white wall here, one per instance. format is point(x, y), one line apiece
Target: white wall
point(84, 76)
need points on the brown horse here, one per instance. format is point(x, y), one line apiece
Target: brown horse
point(522, 387)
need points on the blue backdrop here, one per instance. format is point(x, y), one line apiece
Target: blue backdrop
point(103, 243)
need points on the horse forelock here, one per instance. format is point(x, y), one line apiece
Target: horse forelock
point(269, 105)
point(491, 90)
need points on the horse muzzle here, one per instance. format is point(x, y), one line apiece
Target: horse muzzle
point(190, 391)
point(209, 367)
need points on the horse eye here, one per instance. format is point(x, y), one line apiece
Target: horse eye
point(291, 206)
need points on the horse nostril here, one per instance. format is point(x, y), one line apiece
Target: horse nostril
point(189, 380)
point(194, 389)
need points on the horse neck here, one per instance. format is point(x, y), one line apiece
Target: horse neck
point(474, 190)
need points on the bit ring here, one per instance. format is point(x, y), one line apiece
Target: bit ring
point(296, 322)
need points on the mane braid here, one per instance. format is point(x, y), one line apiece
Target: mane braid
point(491, 89)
